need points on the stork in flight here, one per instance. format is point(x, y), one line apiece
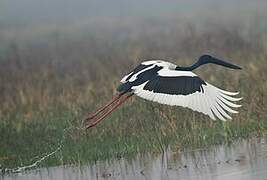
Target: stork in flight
point(167, 83)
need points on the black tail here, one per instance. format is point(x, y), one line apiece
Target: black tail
point(205, 59)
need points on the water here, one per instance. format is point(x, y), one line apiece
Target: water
point(242, 160)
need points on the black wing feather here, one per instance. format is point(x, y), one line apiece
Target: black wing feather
point(179, 85)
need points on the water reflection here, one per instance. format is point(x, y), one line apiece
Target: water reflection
point(242, 160)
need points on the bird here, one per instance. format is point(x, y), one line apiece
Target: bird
point(166, 83)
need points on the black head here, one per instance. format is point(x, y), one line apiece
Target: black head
point(204, 59)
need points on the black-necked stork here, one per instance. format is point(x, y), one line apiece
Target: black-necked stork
point(166, 83)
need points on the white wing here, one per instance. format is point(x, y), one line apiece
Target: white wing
point(209, 100)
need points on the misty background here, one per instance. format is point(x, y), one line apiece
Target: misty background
point(30, 15)
point(27, 12)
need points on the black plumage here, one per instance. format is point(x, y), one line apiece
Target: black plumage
point(181, 85)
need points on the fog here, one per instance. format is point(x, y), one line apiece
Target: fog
point(28, 12)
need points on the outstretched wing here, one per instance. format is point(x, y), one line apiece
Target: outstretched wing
point(184, 88)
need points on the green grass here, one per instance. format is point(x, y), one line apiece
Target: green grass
point(121, 135)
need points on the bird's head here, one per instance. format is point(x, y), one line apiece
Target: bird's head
point(205, 59)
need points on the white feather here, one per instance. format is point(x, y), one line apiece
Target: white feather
point(123, 80)
point(211, 102)
point(166, 72)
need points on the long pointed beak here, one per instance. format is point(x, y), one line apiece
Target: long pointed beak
point(94, 118)
point(225, 63)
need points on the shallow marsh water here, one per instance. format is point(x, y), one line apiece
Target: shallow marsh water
point(246, 159)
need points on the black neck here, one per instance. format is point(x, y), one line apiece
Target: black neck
point(189, 68)
point(205, 59)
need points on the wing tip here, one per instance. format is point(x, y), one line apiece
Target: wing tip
point(229, 93)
